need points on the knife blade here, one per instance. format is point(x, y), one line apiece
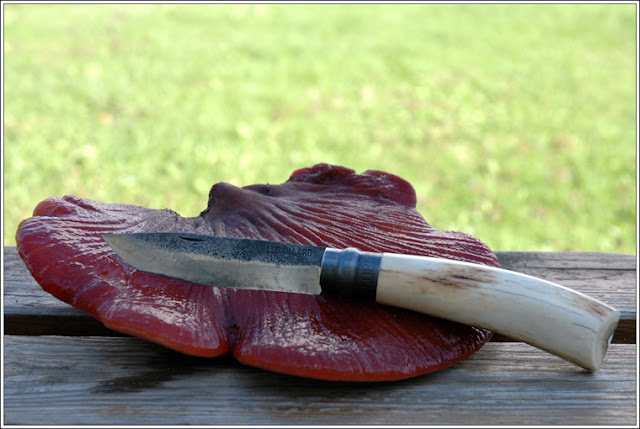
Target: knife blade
point(546, 315)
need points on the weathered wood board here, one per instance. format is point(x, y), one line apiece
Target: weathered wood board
point(611, 278)
point(62, 367)
point(111, 380)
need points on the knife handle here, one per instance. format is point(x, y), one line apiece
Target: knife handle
point(546, 315)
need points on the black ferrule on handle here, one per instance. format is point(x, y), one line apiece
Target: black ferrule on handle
point(350, 273)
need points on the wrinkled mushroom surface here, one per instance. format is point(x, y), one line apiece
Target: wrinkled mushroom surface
point(320, 337)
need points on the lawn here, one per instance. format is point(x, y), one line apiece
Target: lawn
point(515, 123)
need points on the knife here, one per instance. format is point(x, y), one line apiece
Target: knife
point(545, 315)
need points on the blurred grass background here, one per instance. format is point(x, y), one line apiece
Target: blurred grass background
point(515, 123)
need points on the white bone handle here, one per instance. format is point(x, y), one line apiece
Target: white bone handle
point(546, 315)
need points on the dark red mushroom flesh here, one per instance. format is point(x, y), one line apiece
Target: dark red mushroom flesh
point(321, 337)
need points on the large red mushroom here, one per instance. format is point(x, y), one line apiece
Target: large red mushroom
point(321, 337)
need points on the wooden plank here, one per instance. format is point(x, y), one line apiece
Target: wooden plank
point(109, 381)
point(28, 310)
point(575, 260)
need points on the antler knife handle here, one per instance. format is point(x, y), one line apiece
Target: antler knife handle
point(543, 314)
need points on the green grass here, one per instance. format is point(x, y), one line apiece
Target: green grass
point(515, 123)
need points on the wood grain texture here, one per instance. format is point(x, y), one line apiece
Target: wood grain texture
point(611, 278)
point(62, 367)
point(106, 380)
